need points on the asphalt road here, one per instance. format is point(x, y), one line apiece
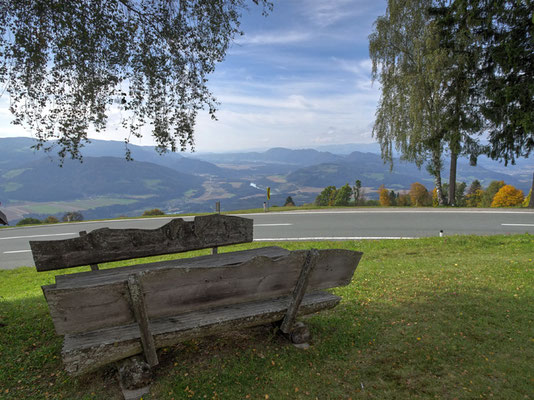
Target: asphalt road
point(350, 224)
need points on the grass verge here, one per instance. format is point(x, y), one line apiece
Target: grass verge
point(447, 318)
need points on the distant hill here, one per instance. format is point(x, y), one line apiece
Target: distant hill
point(105, 185)
point(17, 151)
point(371, 170)
point(276, 155)
point(43, 180)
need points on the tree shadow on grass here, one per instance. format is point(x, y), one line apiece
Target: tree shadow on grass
point(446, 344)
point(31, 357)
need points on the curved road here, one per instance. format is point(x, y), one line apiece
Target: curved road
point(347, 224)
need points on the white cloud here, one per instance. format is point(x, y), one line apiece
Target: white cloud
point(326, 13)
point(275, 38)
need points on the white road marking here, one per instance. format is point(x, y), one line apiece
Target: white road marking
point(272, 224)
point(334, 238)
point(381, 211)
point(517, 224)
point(16, 251)
point(34, 236)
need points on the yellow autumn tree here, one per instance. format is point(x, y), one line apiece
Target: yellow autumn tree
point(383, 196)
point(508, 196)
point(419, 195)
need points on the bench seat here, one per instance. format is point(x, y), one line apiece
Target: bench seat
point(88, 351)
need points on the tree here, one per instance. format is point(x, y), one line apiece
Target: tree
point(383, 196)
point(67, 64)
point(343, 195)
point(405, 46)
point(72, 216)
point(289, 202)
point(474, 194)
point(490, 192)
point(393, 198)
point(506, 74)
point(404, 200)
point(419, 195)
point(528, 200)
point(357, 191)
point(461, 118)
point(326, 197)
point(508, 196)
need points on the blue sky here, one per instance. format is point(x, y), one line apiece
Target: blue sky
point(298, 78)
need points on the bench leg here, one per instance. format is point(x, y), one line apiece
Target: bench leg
point(135, 377)
point(299, 335)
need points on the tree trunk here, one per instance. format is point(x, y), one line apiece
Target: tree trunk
point(531, 202)
point(436, 171)
point(452, 179)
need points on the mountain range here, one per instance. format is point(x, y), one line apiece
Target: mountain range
point(106, 185)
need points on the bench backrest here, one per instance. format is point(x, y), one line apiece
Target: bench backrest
point(91, 301)
point(106, 245)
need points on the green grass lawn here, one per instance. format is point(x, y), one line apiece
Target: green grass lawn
point(446, 318)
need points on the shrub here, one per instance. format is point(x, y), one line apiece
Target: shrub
point(154, 211)
point(50, 220)
point(372, 202)
point(508, 196)
point(29, 221)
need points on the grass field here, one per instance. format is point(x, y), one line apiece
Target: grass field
point(446, 318)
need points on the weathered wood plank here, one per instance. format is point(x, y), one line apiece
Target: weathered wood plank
point(105, 245)
point(172, 291)
point(300, 290)
point(94, 267)
point(86, 352)
point(112, 275)
point(141, 316)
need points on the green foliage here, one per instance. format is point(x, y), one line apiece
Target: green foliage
point(343, 196)
point(29, 221)
point(393, 198)
point(154, 211)
point(490, 192)
point(506, 76)
point(419, 195)
point(50, 220)
point(65, 64)
point(404, 200)
point(409, 64)
point(326, 197)
point(459, 194)
point(474, 194)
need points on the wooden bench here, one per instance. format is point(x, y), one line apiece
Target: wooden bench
point(112, 314)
